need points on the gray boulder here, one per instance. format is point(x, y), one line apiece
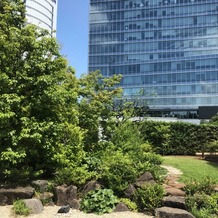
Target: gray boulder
point(169, 212)
point(120, 207)
point(144, 180)
point(13, 194)
point(130, 191)
point(35, 205)
point(40, 185)
point(91, 186)
point(65, 194)
point(64, 209)
point(175, 202)
point(3, 200)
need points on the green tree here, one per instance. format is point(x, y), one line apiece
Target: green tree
point(95, 106)
point(39, 131)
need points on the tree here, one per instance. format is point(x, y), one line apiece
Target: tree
point(95, 106)
point(39, 131)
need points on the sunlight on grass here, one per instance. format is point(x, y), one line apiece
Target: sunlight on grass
point(193, 167)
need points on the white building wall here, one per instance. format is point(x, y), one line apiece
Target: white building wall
point(42, 13)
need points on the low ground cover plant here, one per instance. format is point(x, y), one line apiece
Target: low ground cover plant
point(99, 201)
point(20, 208)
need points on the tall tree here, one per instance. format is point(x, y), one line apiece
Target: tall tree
point(39, 132)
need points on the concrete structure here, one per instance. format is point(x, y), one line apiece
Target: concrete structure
point(42, 13)
point(166, 50)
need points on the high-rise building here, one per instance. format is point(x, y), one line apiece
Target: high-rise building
point(166, 50)
point(42, 13)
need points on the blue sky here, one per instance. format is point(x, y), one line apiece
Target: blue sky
point(72, 32)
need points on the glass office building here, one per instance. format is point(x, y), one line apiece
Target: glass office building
point(166, 50)
point(42, 13)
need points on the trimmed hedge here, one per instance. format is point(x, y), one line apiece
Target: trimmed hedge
point(178, 138)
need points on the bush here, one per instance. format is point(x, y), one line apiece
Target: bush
point(149, 197)
point(212, 147)
point(178, 138)
point(202, 205)
point(204, 186)
point(130, 204)
point(124, 158)
point(99, 201)
point(20, 208)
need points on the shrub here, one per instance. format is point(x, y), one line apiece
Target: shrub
point(202, 205)
point(130, 204)
point(99, 201)
point(212, 147)
point(20, 208)
point(149, 197)
point(204, 186)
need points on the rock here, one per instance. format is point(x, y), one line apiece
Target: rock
point(130, 191)
point(40, 185)
point(35, 205)
point(145, 177)
point(121, 207)
point(144, 180)
point(3, 200)
point(92, 185)
point(64, 209)
point(13, 194)
point(168, 212)
point(174, 191)
point(74, 204)
point(47, 198)
point(64, 195)
point(175, 202)
point(215, 187)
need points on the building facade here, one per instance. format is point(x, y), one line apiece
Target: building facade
point(42, 13)
point(166, 50)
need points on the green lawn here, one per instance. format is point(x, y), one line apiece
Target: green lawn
point(192, 167)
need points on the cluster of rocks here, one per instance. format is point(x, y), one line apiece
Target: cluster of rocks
point(67, 196)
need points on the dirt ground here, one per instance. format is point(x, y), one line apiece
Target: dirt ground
point(51, 212)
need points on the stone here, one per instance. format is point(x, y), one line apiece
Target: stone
point(130, 191)
point(168, 212)
point(144, 179)
point(120, 207)
point(64, 195)
point(3, 200)
point(13, 194)
point(35, 205)
point(174, 191)
point(74, 204)
point(64, 209)
point(91, 186)
point(40, 185)
point(175, 202)
point(47, 198)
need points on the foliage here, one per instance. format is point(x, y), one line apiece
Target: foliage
point(178, 138)
point(214, 119)
point(203, 205)
point(99, 201)
point(202, 200)
point(39, 132)
point(195, 186)
point(212, 147)
point(20, 208)
point(130, 204)
point(124, 158)
point(149, 197)
point(95, 108)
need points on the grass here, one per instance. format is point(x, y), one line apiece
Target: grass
point(193, 167)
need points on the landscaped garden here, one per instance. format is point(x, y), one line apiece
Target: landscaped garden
point(71, 134)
